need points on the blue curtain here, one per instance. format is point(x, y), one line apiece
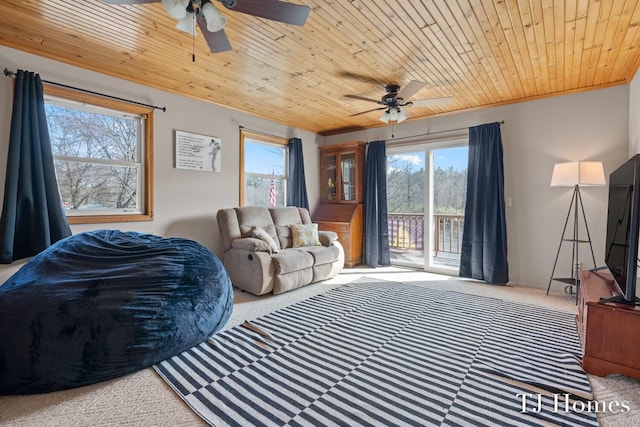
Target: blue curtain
point(484, 239)
point(376, 233)
point(32, 216)
point(297, 189)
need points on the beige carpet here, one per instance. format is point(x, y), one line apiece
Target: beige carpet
point(143, 399)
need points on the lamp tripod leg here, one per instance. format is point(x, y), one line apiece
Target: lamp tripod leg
point(564, 231)
point(586, 227)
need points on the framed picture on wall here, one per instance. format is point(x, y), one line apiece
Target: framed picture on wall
point(198, 152)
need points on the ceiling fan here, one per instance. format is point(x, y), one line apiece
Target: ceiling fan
point(212, 23)
point(395, 98)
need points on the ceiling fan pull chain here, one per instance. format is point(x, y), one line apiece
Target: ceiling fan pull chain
point(193, 41)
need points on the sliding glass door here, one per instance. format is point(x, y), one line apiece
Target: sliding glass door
point(426, 192)
point(406, 206)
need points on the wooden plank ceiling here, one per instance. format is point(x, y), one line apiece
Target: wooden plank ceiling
point(481, 52)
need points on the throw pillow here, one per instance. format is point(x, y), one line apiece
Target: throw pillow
point(259, 233)
point(305, 235)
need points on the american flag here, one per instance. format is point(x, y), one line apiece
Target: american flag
point(272, 193)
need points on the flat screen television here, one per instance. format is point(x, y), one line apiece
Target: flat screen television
point(623, 221)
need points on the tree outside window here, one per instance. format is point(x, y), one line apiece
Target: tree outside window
point(102, 156)
point(264, 170)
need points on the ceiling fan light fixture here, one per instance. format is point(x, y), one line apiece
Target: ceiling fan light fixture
point(187, 24)
point(215, 21)
point(402, 115)
point(385, 116)
point(176, 8)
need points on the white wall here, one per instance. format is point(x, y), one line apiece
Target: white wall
point(586, 126)
point(634, 115)
point(185, 202)
point(536, 135)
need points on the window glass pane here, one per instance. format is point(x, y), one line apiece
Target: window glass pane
point(263, 170)
point(102, 156)
point(258, 191)
point(405, 182)
point(450, 179)
point(266, 159)
point(90, 135)
point(93, 186)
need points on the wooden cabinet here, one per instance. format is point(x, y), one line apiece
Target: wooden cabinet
point(342, 195)
point(347, 221)
point(342, 173)
point(610, 332)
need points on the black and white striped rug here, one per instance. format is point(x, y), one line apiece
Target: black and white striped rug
point(388, 353)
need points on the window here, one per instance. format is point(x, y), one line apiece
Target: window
point(263, 170)
point(102, 152)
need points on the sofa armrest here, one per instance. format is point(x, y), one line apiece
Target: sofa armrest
point(251, 244)
point(327, 237)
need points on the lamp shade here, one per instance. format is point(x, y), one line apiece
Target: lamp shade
point(583, 174)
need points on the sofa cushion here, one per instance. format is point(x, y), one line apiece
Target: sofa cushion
point(295, 279)
point(322, 254)
point(251, 244)
point(289, 260)
point(324, 271)
point(305, 235)
point(255, 216)
point(259, 233)
point(283, 219)
point(228, 226)
point(327, 237)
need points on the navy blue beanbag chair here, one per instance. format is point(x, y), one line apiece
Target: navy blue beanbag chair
point(102, 304)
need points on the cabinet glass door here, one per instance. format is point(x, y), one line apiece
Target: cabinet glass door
point(348, 172)
point(330, 173)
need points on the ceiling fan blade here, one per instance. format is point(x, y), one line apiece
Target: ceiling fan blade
point(130, 1)
point(430, 102)
point(410, 89)
point(274, 10)
point(218, 41)
point(362, 98)
point(368, 111)
point(361, 77)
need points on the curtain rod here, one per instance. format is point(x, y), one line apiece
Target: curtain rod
point(10, 73)
point(261, 133)
point(431, 133)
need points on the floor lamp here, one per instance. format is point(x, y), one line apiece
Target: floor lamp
point(576, 175)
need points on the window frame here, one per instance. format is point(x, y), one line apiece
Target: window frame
point(146, 158)
point(266, 139)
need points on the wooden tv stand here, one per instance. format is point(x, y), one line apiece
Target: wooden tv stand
point(610, 332)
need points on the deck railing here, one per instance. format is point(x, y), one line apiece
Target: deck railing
point(406, 231)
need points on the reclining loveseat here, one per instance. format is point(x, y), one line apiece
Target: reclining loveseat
point(276, 249)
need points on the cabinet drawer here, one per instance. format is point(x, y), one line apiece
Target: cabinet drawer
point(338, 227)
